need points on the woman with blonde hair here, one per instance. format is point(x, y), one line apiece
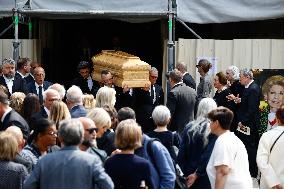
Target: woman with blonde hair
point(59, 111)
point(126, 169)
point(105, 96)
point(89, 102)
point(17, 101)
point(12, 175)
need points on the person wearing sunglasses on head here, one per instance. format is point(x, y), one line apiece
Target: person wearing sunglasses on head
point(89, 143)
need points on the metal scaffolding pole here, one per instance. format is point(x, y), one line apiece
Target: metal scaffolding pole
point(171, 43)
point(16, 42)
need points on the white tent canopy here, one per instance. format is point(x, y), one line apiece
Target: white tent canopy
point(194, 11)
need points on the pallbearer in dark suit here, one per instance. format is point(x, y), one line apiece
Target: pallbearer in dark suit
point(187, 78)
point(181, 102)
point(23, 67)
point(12, 82)
point(10, 117)
point(146, 99)
point(85, 81)
point(248, 117)
point(39, 85)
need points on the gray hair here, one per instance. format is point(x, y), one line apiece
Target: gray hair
point(161, 115)
point(153, 69)
point(247, 73)
point(205, 106)
point(8, 61)
point(75, 95)
point(100, 117)
point(59, 88)
point(51, 91)
point(181, 66)
point(71, 131)
point(105, 96)
point(235, 71)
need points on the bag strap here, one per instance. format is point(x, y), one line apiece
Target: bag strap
point(150, 152)
point(276, 141)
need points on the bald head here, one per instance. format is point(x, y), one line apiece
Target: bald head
point(89, 134)
point(39, 75)
point(87, 122)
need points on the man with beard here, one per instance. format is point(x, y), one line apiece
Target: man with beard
point(89, 142)
point(14, 83)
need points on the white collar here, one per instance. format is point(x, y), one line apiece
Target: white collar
point(9, 109)
point(23, 76)
point(184, 73)
point(46, 110)
point(247, 86)
point(37, 85)
point(177, 84)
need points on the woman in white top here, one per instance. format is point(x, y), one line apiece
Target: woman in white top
point(270, 153)
point(228, 167)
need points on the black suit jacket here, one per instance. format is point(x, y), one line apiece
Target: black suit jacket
point(144, 106)
point(32, 88)
point(29, 79)
point(19, 84)
point(248, 109)
point(14, 118)
point(181, 103)
point(123, 99)
point(189, 81)
point(39, 115)
point(83, 84)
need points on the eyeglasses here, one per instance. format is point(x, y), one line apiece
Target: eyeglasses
point(53, 133)
point(91, 130)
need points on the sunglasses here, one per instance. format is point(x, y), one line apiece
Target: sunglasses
point(91, 130)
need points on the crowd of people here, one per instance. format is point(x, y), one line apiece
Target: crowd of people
point(97, 135)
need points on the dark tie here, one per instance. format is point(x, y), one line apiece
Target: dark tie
point(40, 94)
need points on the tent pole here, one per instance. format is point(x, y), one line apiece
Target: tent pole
point(170, 43)
point(16, 42)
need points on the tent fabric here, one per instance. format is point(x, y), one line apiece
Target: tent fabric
point(193, 11)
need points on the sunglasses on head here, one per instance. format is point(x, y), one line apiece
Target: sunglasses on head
point(91, 130)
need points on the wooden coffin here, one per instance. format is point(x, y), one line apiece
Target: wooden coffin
point(126, 69)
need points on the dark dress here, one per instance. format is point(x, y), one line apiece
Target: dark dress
point(194, 155)
point(168, 139)
point(106, 142)
point(12, 175)
point(221, 100)
point(128, 170)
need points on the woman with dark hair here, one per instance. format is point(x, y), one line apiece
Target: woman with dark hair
point(270, 154)
point(220, 83)
point(41, 141)
point(205, 86)
point(31, 105)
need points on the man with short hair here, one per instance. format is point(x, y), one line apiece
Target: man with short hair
point(146, 99)
point(69, 167)
point(124, 95)
point(186, 77)
point(89, 142)
point(23, 67)
point(30, 77)
point(16, 131)
point(49, 96)
point(10, 117)
point(85, 81)
point(181, 102)
point(14, 83)
point(74, 100)
point(39, 85)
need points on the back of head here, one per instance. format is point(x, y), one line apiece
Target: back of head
point(71, 132)
point(128, 135)
point(9, 146)
point(31, 105)
point(126, 113)
point(175, 75)
point(181, 66)
point(89, 101)
point(59, 111)
point(235, 71)
point(17, 132)
point(223, 115)
point(205, 106)
point(23, 62)
point(75, 95)
point(59, 88)
point(17, 101)
point(4, 98)
point(205, 65)
point(105, 96)
point(161, 115)
point(280, 115)
point(100, 117)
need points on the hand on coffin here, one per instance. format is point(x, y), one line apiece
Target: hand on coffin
point(146, 88)
point(125, 88)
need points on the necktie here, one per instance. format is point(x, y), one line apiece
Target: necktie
point(40, 94)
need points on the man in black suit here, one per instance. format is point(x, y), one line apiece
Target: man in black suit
point(85, 81)
point(146, 99)
point(49, 96)
point(187, 78)
point(181, 102)
point(14, 83)
point(248, 117)
point(10, 117)
point(23, 67)
point(30, 77)
point(39, 85)
point(124, 95)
